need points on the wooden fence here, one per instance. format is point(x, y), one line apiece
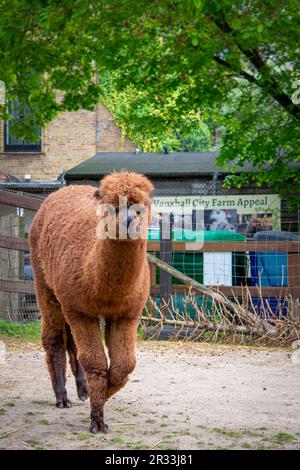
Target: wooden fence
point(166, 248)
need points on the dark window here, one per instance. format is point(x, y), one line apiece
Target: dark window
point(12, 143)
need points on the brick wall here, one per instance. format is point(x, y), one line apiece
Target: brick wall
point(68, 140)
point(109, 137)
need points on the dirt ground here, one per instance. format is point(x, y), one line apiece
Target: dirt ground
point(181, 396)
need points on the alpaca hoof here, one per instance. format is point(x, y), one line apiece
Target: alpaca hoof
point(64, 404)
point(98, 426)
point(82, 390)
point(83, 397)
point(97, 422)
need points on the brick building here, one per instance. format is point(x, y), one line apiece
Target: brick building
point(67, 141)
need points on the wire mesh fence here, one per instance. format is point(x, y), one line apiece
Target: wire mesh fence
point(246, 254)
point(17, 299)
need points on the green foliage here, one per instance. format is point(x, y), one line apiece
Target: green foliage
point(45, 61)
point(173, 66)
point(151, 124)
point(28, 331)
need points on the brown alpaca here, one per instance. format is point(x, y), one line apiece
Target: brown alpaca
point(80, 278)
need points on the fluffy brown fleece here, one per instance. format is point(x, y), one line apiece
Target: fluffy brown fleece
point(79, 279)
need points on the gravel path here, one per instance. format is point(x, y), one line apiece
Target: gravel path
point(181, 396)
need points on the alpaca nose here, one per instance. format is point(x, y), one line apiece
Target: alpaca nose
point(130, 216)
point(129, 219)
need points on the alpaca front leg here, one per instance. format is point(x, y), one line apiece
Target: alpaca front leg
point(91, 355)
point(120, 337)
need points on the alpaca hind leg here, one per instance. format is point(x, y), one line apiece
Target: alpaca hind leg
point(54, 341)
point(91, 355)
point(81, 384)
point(120, 337)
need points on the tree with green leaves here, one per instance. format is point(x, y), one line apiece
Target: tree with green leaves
point(233, 63)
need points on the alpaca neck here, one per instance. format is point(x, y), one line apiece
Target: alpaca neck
point(117, 262)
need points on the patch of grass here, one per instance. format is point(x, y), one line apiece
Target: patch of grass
point(41, 402)
point(34, 443)
point(44, 422)
point(228, 433)
point(201, 426)
point(10, 404)
point(2, 411)
point(27, 331)
point(120, 430)
point(135, 414)
point(136, 445)
point(246, 445)
point(118, 440)
point(84, 437)
point(182, 433)
point(151, 421)
point(168, 441)
point(164, 425)
point(164, 416)
point(120, 409)
point(283, 437)
point(29, 413)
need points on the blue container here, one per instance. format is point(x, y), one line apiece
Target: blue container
point(269, 268)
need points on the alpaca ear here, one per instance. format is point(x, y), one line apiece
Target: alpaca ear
point(144, 184)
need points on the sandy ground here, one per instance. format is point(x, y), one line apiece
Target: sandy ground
point(181, 396)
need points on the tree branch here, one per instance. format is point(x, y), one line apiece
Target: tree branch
point(242, 73)
point(269, 82)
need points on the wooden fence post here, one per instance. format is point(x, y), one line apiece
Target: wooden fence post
point(166, 226)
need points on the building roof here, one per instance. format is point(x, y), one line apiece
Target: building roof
point(39, 186)
point(181, 164)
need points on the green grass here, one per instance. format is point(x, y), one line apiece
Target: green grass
point(118, 440)
point(42, 402)
point(120, 409)
point(228, 433)
point(27, 331)
point(34, 443)
point(45, 422)
point(84, 437)
point(246, 445)
point(283, 437)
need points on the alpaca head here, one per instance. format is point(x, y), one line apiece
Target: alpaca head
point(125, 200)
